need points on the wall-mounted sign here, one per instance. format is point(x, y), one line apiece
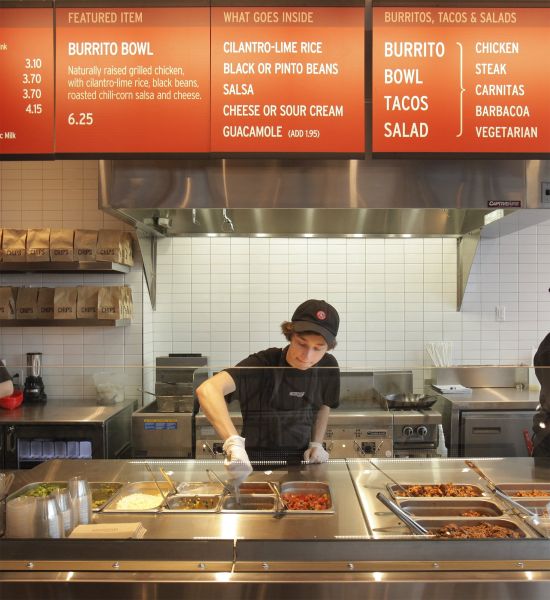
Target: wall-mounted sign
point(288, 79)
point(461, 80)
point(132, 80)
point(27, 87)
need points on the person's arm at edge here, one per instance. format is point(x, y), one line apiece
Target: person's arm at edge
point(211, 398)
point(6, 388)
point(320, 425)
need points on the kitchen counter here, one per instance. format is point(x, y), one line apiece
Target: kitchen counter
point(358, 552)
point(58, 412)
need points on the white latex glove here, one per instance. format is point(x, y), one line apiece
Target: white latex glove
point(236, 460)
point(316, 453)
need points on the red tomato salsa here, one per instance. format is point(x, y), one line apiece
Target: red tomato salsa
point(307, 501)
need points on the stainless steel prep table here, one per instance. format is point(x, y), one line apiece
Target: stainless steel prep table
point(481, 399)
point(236, 555)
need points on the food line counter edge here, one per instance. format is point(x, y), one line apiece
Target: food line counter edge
point(360, 544)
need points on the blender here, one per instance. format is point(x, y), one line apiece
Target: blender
point(33, 391)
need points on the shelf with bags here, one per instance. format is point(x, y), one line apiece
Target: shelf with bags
point(63, 267)
point(65, 322)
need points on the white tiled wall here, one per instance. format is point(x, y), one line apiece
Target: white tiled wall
point(65, 194)
point(226, 297)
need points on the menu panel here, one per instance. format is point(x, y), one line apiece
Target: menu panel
point(132, 80)
point(454, 80)
point(27, 91)
point(287, 79)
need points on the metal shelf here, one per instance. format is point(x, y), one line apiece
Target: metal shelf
point(65, 322)
point(63, 267)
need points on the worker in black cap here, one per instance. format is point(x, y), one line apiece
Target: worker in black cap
point(541, 420)
point(285, 395)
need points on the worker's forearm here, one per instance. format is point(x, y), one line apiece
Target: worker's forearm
point(320, 426)
point(215, 409)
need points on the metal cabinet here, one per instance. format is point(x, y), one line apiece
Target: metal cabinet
point(495, 433)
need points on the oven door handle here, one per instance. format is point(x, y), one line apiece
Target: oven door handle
point(10, 439)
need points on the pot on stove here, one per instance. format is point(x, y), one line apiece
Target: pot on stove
point(409, 401)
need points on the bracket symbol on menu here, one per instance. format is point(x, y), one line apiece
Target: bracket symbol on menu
point(462, 90)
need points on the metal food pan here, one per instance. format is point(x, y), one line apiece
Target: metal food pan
point(449, 507)
point(96, 487)
point(308, 487)
point(432, 525)
point(183, 503)
point(515, 489)
point(103, 492)
point(25, 490)
point(256, 487)
point(140, 487)
point(540, 506)
point(199, 487)
point(397, 492)
point(255, 503)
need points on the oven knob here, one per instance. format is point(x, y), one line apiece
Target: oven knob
point(422, 431)
point(408, 431)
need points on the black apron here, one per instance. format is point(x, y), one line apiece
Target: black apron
point(284, 429)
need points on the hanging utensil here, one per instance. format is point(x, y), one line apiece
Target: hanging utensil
point(415, 527)
point(406, 493)
point(169, 480)
point(156, 482)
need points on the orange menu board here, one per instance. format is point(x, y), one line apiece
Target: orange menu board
point(27, 88)
point(461, 80)
point(132, 80)
point(287, 79)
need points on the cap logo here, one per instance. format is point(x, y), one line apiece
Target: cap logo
point(321, 315)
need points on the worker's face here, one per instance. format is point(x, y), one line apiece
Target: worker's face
point(305, 351)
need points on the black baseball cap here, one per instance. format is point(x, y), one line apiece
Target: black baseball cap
point(317, 316)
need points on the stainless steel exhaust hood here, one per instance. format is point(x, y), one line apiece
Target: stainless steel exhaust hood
point(310, 198)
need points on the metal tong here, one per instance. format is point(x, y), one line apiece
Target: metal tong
point(226, 488)
point(415, 527)
point(169, 480)
point(515, 506)
point(406, 493)
point(281, 500)
point(148, 466)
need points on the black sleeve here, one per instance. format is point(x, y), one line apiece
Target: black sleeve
point(4, 375)
point(541, 361)
point(329, 376)
point(249, 381)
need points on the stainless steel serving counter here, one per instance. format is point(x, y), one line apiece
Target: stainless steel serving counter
point(58, 412)
point(358, 551)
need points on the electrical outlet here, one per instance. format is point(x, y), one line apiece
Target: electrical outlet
point(500, 313)
point(545, 193)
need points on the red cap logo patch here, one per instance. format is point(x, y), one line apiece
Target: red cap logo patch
point(321, 315)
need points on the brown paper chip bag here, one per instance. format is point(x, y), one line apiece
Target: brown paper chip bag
point(38, 245)
point(61, 245)
point(127, 249)
point(8, 297)
point(25, 306)
point(109, 303)
point(110, 244)
point(44, 304)
point(1, 251)
point(128, 303)
point(14, 245)
point(86, 304)
point(85, 244)
point(64, 303)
